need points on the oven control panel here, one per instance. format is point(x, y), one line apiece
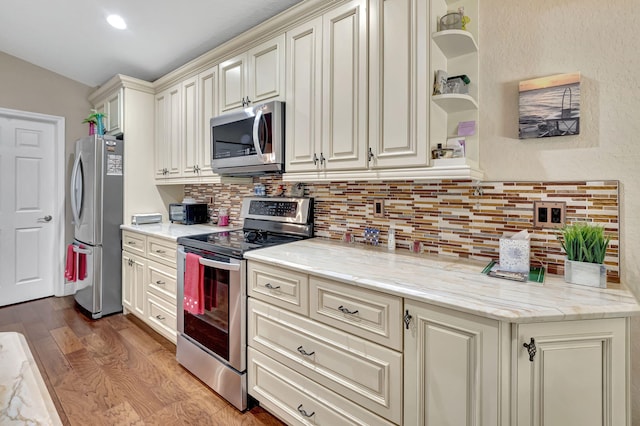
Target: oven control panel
point(294, 210)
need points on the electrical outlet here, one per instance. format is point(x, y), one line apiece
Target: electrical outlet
point(378, 208)
point(549, 214)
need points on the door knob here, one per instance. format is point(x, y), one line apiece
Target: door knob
point(47, 218)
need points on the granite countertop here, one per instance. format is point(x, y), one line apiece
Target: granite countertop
point(449, 282)
point(173, 231)
point(24, 398)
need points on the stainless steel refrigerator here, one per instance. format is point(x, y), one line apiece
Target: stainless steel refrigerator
point(96, 207)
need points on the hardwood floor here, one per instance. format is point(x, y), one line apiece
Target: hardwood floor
point(116, 370)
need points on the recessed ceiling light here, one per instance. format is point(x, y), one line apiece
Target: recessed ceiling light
point(116, 21)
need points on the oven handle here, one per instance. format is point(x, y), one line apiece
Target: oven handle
point(212, 263)
point(219, 265)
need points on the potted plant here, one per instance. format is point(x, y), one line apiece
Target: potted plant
point(96, 125)
point(585, 246)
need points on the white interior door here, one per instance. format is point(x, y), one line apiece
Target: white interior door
point(31, 218)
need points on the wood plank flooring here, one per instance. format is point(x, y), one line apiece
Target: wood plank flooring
point(116, 370)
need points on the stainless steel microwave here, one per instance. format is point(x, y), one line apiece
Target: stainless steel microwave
point(249, 142)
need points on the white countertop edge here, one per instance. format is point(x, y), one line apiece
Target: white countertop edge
point(502, 310)
point(173, 231)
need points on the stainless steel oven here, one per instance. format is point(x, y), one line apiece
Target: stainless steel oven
point(212, 345)
point(212, 342)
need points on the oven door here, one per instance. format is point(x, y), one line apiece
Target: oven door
point(221, 329)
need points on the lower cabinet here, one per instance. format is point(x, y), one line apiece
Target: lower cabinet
point(324, 352)
point(578, 374)
point(451, 364)
point(149, 282)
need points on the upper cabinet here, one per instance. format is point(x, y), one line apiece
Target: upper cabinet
point(112, 108)
point(254, 76)
point(326, 101)
point(168, 155)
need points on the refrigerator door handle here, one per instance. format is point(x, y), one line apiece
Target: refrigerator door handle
point(77, 249)
point(75, 203)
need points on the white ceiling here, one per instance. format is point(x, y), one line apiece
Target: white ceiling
point(72, 37)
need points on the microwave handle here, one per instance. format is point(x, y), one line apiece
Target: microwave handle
point(256, 137)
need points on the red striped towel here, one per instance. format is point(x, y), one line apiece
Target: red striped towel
point(193, 285)
point(70, 266)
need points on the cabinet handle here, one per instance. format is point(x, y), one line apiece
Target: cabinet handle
point(371, 156)
point(160, 282)
point(303, 412)
point(132, 243)
point(305, 353)
point(531, 348)
point(248, 101)
point(271, 287)
point(160, 317)
point(322, 159)
point(347, 311)
point(315, 159)
point(160, 251)
point(407, 319)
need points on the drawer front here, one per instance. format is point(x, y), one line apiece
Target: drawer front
point(278, 286)
point(162, 281)
point(134, 242)
point(298, 400)
point(161, 317)
point(364, 372)
point(365, 313)
point(162, 251)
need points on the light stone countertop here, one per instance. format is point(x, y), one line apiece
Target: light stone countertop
point(173, 231)
point(449, 282)
point(24, 398)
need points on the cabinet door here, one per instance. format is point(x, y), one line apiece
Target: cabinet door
point(304, 96)
point(133, 283)
point(399, 89)
point(233, 77)
point(168, 138)
point(577, 376)
point(190, 127)
point(450, 368)
point(208, 108)
point(266, 71)
point(114, 113)
point(344, 82)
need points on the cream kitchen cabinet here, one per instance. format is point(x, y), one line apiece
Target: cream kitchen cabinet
point(577, 375)
point(331, 353)
point(168, 138)
point(149, 281)
point(451, 367)
point(253, 77)
point(399, 84)
point(326, 114)
point(112, 108)
point(199, 104)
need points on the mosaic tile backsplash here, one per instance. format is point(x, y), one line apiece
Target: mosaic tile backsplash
point(447, 218)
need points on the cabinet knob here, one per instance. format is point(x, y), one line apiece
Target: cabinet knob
point(303, 412)
point(347, 311)
point(531, 348)
point(407, 319)
point(305, 353)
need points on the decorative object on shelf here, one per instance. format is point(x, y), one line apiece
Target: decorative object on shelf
point(458, 146)
point(458, 84)
point(465, 19)
point(586, 247)
point(440, 82)
point(96, 122)
point(441, 152)
point(550, 106)
point(451, 21)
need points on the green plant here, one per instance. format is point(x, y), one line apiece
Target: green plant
point(583, 242)
point(94, 117)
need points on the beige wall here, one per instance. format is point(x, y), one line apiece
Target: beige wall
point(26, 87)
point(520, 40)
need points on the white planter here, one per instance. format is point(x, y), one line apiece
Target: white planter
point(591, 274)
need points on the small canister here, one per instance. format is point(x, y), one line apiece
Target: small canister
point(223, 217)
point(259, 190)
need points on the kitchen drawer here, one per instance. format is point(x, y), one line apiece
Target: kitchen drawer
point(162, 251)
point(134, 243)
point(162, 281)
point(290, 396)
point(278, 286)
point(161, 316)
point(365, 313)
point(362, 371)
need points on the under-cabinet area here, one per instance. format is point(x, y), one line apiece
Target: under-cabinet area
point(341, 334)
